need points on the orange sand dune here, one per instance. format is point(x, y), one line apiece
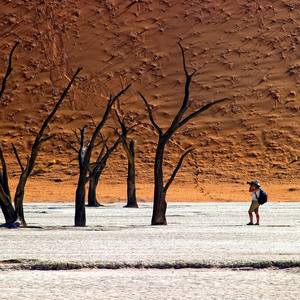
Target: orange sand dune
point(45, 191)
point(247, 50)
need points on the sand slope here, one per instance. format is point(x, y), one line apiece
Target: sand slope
point(246, 50)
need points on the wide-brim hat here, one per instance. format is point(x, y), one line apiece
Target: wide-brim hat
point(254, 182)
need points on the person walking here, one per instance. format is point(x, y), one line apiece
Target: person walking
point(255, 190)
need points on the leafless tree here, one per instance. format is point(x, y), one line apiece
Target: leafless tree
point(160, 186)
point(5, 197)
point(84, 157)
point(129, 148)
point(12, 214)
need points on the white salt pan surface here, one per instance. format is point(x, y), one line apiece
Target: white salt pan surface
point(212, 233)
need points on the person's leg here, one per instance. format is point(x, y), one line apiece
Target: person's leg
point(250, 211)
point(257, 216)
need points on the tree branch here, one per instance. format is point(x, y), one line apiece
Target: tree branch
point(201, 110)
point(50, 116)
point(177, 168)
point(8, 70)
point(100, 164)
point(39, 136)
point(102, 150)
point(82, 150)
point(76, 135)
point(125, 132)
point(121, 123)
point(18, 158)
point(183, 59)
point(69, 145)
point(110, 103)
point(186, 98)
point(149, 110)
point(47, 138)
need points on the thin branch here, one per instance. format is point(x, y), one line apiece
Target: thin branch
point(121, 122)
point(8, 70)
point(93, 121)
point(69, 145)
point(104, 147)
point(177, 168)
point(110, 103)
point(50, 116)
point(201, 110)
point(73, 159)
point(82, 150)
point(125, 131)
point(100, 165)
point(101, 140)
point(186, 98)
point(149, 110)
point(76, 135)
point(47, 138)
point(183, 59)
point(18, 158)
point(36, 145)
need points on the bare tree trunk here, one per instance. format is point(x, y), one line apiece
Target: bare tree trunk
point(94, 180)
point(128, 147)
point(19, 198)
point(131, 189)
point(92, 195)
point(159, 201)
point(7, 208)
point(80, 218)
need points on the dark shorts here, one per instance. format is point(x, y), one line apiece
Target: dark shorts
point(253, 207)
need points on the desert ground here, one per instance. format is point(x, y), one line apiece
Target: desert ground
point(246, 51)
point(206, 251)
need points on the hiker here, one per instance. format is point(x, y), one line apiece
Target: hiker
point(257, 194)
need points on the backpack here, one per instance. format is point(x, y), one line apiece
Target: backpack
point(263, 197)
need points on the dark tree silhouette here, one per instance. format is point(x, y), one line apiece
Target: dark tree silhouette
point(129, 148)
point(180, 119)
point(97, 168)
point(5, 197)
point(84, 157)
point(26, 169)
point(8, 70)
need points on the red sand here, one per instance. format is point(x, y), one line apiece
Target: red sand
point(46, 191)
point(247, 50)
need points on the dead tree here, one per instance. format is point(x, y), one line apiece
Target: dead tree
point(27, 169)
point(5, 198)
point(8, 70)
point(96, 170)
point(160, 186)
point(84, 157)
point(129, 148)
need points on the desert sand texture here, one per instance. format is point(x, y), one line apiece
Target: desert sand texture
point(245, 50)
